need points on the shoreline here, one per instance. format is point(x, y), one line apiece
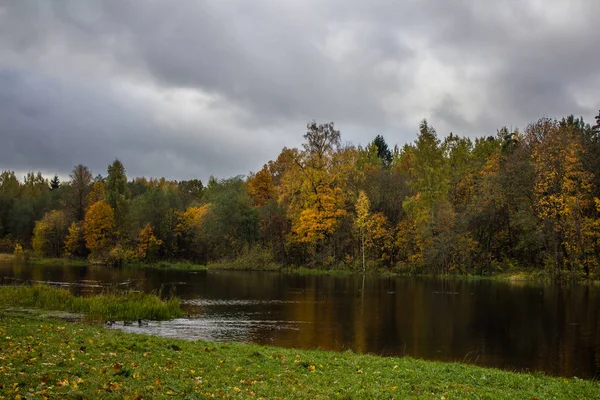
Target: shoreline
point(514, 275)
point(48, 357)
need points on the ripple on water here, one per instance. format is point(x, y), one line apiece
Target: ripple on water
point(236, 303)
point(213, 329)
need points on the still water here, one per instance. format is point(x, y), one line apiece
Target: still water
point(517, 326)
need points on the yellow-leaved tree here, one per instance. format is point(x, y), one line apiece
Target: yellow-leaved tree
point(49, 234)
point(97, 193)
point(261, 187)
point(147, 243)
point(563, 194)
point(99, 227)
point(313, 191)
point(75, 241)
point(363, 221)
point(189, 230)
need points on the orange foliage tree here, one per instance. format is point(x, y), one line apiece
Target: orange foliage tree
point(99, 225)
point(147, 243)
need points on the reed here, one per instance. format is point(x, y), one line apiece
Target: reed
point(100, 307)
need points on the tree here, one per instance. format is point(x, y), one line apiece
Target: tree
point(147, 243)
point(261, 187)
point(362, 221)
point(232, 221)
point(117, 195)
point(34, 185)
point(191, 190)
point(49, 234)
point(99, 226)
point(9, 192)
point(158, 206)
point(321, 141)
point(596, 127)
point(314, 192)
point(97, 193)
point(55, 183)
point(190, 230)
point(80, 186)
point(75, 240)
point(383, 152)
point(563, 194)
point(430, 181)
point(31, 202)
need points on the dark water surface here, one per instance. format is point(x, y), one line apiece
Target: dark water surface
point(550, 328)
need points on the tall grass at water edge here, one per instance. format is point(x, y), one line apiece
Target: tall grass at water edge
point(101, 307)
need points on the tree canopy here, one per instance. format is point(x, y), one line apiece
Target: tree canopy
point(438, 204)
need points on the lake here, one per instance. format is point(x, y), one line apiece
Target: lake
point(516, 326)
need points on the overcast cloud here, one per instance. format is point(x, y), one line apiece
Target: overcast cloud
point(189, 88)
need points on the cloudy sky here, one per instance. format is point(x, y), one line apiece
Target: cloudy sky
point(190, 88)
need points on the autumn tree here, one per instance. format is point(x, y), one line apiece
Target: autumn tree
point(563, 194)
point(49, 234)
point(97, 193)
point(158, 206)
point(75, 240)
point(312, 189)
point(430, 182)
point(79, 188)
point(117, 196)
point(190, 230)
point(322, 140)
point(99, 227)
point(261, 187)
point(147, 243)
point(363, 221)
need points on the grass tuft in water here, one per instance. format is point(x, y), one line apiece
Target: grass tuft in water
point(102, 307)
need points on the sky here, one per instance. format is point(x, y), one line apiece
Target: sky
point(190, 88)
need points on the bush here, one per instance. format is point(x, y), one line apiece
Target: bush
point(120, 256)
point(18, 252)
point(255, 258)
point(7, 245)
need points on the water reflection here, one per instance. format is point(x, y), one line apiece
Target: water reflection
point(524, 327)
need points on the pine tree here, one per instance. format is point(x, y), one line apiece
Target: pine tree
point(55, 183)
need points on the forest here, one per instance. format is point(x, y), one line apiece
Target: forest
point(527, 199)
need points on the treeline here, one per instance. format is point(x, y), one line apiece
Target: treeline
point(526, 199)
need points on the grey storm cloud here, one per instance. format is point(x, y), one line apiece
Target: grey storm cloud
point(192, 88)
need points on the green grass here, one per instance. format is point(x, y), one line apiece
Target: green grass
point(75, 360)
point(318, 271)
point(102, 307)
point(75, 262)
point(7, 257)
point(178, 265)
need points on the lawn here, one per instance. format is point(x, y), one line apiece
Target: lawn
point(56, 359)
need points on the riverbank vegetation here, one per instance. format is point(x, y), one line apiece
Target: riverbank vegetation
point(516, 200)
point(49, 358)
point(129, 306)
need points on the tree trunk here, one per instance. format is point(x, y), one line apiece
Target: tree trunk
point(363, 251)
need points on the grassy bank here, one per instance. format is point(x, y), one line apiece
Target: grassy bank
point(107, 306)
point(254, 262)
point(74, 360)
point(7, 257)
